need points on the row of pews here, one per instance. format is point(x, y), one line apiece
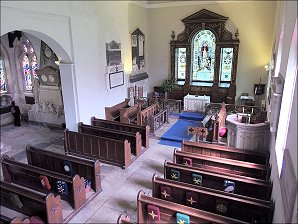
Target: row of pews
point(209, 183)
point(151, 115)
point(52, 187)
point(110, 142)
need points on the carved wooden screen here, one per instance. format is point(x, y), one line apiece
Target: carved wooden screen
point(204, 58)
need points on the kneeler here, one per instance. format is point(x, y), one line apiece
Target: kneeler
point(192, 199)
point(197, 179)
point(229, 186)
point(182, 218)
point(166, 193)
point(153, 213)
point(174, 175)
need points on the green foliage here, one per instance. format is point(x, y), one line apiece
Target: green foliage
point(168, 85)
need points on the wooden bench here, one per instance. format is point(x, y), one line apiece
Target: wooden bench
point(29, 176)
point(210, 200)
point(246, 186)
point(106, 150)
point(113, 113)
point(7, 220)
point(143, 130)
point(135, 139)
point(123, 219)
point(225, 152)
point(46, 206)
point(229, 165)
point(15, 220)
point(168, 212)
point(89, 169)
point(130, 115)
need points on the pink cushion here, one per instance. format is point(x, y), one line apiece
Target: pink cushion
point(223, 132)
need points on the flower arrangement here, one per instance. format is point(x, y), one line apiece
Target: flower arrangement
point(168, 85)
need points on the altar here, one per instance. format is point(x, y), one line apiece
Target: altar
point(195, 103)
point(248, 136)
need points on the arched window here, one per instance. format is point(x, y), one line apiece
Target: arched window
point(28, 61)
point(203, 56)
point(3, 80)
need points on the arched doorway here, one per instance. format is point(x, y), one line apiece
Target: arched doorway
point(59, 40)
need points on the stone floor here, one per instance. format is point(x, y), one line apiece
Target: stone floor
point(120, 187)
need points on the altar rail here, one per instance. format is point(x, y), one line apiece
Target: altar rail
point(173, 106)
point(159, 119)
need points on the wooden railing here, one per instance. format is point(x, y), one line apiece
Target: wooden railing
point(158, 120)
point(173, 106)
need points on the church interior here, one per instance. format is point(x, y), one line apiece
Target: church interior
point(148, 112)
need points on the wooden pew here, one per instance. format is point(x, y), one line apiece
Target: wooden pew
point(106, 150)
point(89, 169)
point(7, 220)
point(123, 219)
point(135, 139)
point(246, 186)
point(229, 165)
point(29, 176)
point(113, 113)
point(129, 115)
point(225, 152)
point(143, 130)
point(16, 220)
point(168, 212)
point(210, 200)
point(46, 206)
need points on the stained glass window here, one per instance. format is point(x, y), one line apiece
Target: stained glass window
point(181, 63)
point(26, 55)
point(203, 56)
point(34, 66)
point(3, 87)
point(226, 64)
point(27, 72)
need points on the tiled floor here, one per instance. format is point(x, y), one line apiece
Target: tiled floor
point(120, 187)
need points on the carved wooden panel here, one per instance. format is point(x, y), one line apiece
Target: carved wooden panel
point(205, 20)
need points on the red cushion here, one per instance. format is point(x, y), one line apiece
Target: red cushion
point(223, 132)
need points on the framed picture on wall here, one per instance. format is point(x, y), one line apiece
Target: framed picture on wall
point(116, 79)
point(113, 53)
point(137, 49)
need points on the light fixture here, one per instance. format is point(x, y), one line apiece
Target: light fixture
point(268, 67)
point(57, 61)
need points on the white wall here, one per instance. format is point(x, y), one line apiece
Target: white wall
point(138, 18)
point(255, 21)
point(77, 32)
point(288, 11)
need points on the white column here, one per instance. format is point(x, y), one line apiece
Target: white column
point(69, 93)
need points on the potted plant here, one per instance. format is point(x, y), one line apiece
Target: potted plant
point(168, 85)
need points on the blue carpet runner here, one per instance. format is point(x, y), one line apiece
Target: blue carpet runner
point(192, 116)
point(178, 132)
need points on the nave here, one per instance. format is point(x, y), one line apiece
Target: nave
point(119, 187)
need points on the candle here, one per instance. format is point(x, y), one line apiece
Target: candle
point(242, 109)
point(252, 110)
